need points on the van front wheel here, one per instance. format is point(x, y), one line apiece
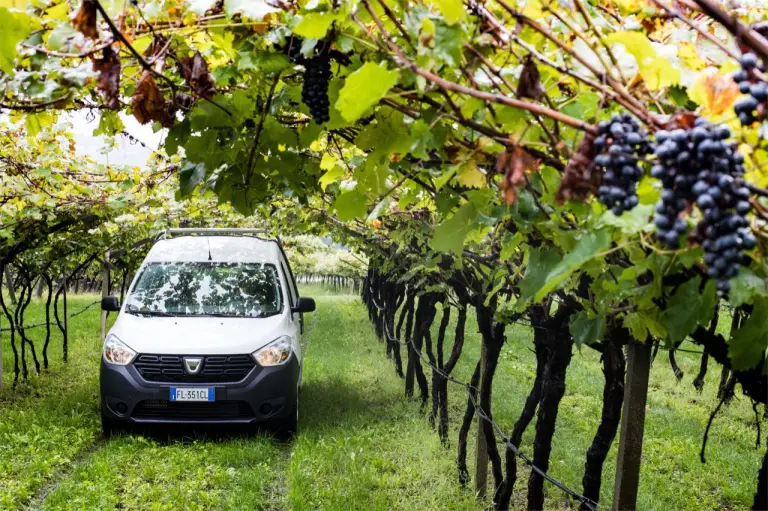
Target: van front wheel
point(108, 426)
point(287, 427)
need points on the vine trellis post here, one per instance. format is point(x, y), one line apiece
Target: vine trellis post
point(481, 447)
point(632, 426)
point(9, 284)
point(104, 293)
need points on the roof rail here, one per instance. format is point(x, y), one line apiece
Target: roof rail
point(210, 231)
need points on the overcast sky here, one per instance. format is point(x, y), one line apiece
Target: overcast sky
point(126, 153)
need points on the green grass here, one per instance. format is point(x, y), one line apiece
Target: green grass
point(361, 444)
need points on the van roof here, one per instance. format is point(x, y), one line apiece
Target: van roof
point(230, 249)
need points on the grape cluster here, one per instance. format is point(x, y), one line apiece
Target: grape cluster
point(758, 91)
point(621, 143)
point(314, 93)
point(699, 165)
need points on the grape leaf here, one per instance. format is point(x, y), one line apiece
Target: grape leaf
point(541, 261)
point(748, 344)
point(470, 176)
point(745, 287)
point(453, 10)
point(34, 123)
point(448, 43)
point(314, 25)
point(714, 91)
point(587, 247)
point(657, 72)
point(331, 176)
point(689, 307)
point(631, 222)
point(364, 88)
point(191, 175)
point(450, 235)
point(586, 330)
point(13, 28)
point(641, 325)
point(350, 205)
point(110, 124)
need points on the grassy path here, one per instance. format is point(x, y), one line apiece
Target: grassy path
point(361, 444)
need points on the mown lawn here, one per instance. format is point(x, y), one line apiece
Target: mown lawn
point(361, 444)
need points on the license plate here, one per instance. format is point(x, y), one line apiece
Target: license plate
point(193, 394)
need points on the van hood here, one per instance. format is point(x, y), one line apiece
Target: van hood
point(197, 335)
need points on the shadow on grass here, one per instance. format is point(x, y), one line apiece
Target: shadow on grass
point(334, 402)
point(187, 434)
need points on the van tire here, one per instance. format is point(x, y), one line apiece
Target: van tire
point(110, 427)
point(286, 428)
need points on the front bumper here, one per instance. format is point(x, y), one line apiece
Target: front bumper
point(265, 394)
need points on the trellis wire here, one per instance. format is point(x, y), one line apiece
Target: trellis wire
point(586, 501)
point(38, 325)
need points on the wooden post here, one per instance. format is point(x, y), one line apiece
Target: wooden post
point(9, 284)
point(66, 327)
point(632, 426)
point(105, 292)
point(481, 447)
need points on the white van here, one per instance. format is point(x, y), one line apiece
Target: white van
point(209, 332)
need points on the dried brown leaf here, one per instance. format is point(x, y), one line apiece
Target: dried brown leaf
point(580, 178)
point(184, 101)
point(85, 19)
point(109, 78)
point(514, 163)
point(195, 72)
point(530, 85)
point(149, 104)
point(681, 120)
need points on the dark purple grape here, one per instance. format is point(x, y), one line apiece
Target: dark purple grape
point(622, 145)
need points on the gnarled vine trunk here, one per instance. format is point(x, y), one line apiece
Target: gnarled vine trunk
point(558, 345)
point(614, 367)
point(493, 340)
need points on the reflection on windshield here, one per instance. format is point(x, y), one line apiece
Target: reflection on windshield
point(206, 288)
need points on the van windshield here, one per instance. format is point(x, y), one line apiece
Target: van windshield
point(206, 289)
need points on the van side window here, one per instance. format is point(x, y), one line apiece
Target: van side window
point(291, 286)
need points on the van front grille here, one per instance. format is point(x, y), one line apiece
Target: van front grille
point(215, 368)
point(216, 410)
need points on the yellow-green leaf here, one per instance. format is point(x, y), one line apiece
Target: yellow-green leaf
point(314, 25)
point(332, 176)
point(450, 234)
point(453, 10)
point(364, 88)
point(471, 176)
point(714, 91)
point(14, 27)
point(657, 72)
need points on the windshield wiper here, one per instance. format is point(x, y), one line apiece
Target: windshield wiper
point(151, 313)
point(223, 315)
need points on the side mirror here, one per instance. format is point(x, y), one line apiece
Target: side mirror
point(304, 305)
point(110, 304)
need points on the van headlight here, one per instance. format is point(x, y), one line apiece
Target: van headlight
point(117, 352)
point(275, 353)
